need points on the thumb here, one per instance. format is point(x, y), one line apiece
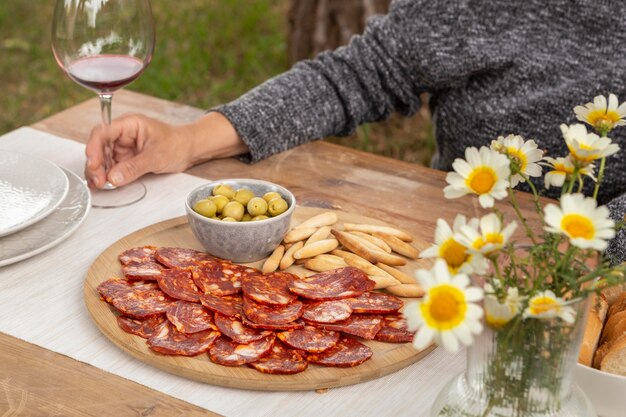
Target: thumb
point(127, 171)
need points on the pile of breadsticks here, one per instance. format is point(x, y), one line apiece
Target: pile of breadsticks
point(376, 250)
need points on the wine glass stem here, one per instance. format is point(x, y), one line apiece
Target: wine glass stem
point(105, 110)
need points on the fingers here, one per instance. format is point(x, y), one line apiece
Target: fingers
point(128, 170)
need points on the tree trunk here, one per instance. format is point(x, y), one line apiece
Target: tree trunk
point(318, 25)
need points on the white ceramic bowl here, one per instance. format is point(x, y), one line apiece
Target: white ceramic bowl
point(607, 392)
point(240, 241)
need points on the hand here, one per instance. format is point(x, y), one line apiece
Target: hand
point(135, 145)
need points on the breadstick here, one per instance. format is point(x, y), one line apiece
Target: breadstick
point(317, 248)
point(367, 242)
point(398, 245)
point(332, 258)
point(373, 255)
point(288, 260)
point(272, 262)
point(358, 262)
point(321, 233)
point(296, 235)
point(324, 219)
point(397, 274)
point(375, 240)
point(371, 228)
point(406, 290)
point(321, 264)
point(384, 281)
point(355, 245)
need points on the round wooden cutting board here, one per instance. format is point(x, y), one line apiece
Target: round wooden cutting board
point(387, 357)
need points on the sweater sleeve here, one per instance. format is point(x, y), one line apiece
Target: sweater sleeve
point(413, 49)
point(616, 250)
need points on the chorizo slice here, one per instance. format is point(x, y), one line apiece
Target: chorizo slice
point(190, 317)
point(169, 341)
point(181, 257)
point(178, 283)
point(141, 327)
point(298, 324)
point(332, 285)
point(376, 303)
point(346, 353)
point(229, 305)
point(136, 299)
point(394, 330)
point(309, 339)
point(137, 255)
point(361, 325)
point(221, 277)
point(262, 314)
point(326, 311)
point(281, 360)
point(147, 271)
point(270, 289)
point(228, 353)
point(234, 328)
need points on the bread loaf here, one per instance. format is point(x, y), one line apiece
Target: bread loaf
point(597, 313)
point(614, 360)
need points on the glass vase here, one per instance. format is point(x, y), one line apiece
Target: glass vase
point(522, 369)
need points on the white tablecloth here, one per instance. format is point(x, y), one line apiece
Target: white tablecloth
point(41, 302)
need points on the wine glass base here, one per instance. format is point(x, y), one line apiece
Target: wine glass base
point(118, 196)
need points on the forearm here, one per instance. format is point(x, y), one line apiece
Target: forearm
point(211, 137)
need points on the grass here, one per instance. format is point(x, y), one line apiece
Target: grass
point(208, 52)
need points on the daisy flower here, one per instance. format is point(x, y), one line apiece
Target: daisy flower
point(524, 156)
point(484, 173)
point(490, 238)
point(447, 313)
point(578, 217)
point(601, 115)
point(448, 248)
point(546, 305)
point(498, 314)
point(561, 168)
point(585, 147)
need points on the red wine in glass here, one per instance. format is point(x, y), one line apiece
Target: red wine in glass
point(105, 73)
point(104, 45)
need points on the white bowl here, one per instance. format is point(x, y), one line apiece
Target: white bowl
point(240, 241)
point(607, 392)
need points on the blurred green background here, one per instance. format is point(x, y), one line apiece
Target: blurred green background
point(208, 52)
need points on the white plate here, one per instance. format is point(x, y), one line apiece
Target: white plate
point(30, 189)
point(607, 392)
point(52, 230)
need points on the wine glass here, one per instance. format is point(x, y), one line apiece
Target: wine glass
point(104, 45)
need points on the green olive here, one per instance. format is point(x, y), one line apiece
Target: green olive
point(261, 217)
point(257, 206)
point(233, 209)
point(225, 190)
point(246, 217)
point(229, 219)
point(216, 218)
point(220, 201)
point(271, 195)
point(205, 207)
point(276, 206)
point(243, 195)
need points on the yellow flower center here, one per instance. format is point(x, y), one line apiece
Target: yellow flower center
point(576, 226)
point(445, 308)
point(495, 238)
point(561, 168)
point(482, 179)
point(602, 117)
point(453, 253)
point(519, 156)
point(541, 305)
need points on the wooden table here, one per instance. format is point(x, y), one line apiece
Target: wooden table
point(36, 381)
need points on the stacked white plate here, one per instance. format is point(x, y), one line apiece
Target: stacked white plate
point(41, 204)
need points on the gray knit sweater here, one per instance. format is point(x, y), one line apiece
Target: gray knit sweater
point(493, 67)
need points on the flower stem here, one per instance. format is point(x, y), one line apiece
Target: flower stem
point(600, 178)
point(514, 203)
